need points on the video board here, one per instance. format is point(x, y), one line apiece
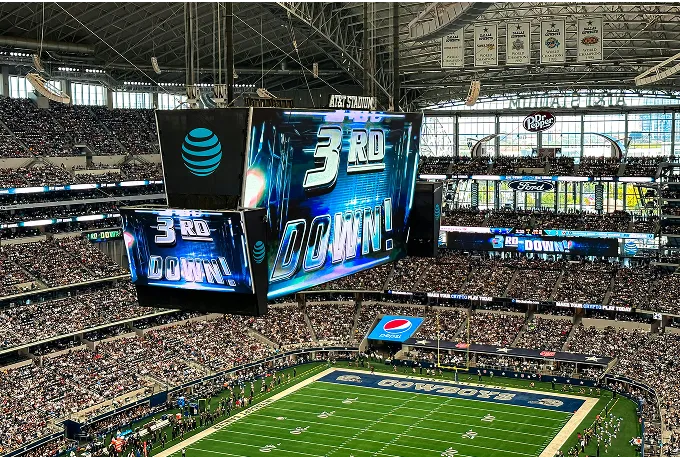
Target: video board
point(337, 187)
point(173, 254)
point(540, 244)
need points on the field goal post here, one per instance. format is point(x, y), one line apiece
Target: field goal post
point(467, 352)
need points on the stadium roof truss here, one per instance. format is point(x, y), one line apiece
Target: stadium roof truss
point(282, 40)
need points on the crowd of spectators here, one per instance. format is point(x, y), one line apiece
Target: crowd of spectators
point(561, 166)
point(438, 165)
point(372, 279)
point(332, 322)
point(35, 128)
point(83, 128)
point(42, 320)
point(131, 127)
point(518, 165)
point(284, 326)
point(124, 369)
point(496, 329)
point(535, 278)
point(407, 272)
point(643, 166)
point(585, 282)
point(598, 166)
point(45, 260)
point(617, 221)
point(55, 131)
point(545, 334)
point(490, 278)
point(448, 275)
point(442, 324)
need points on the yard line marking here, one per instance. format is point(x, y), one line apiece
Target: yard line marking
point(287, 400)
point(415, 424)
point(483, 427)
point(401, 405)
point(195, 448)
point(397, 433)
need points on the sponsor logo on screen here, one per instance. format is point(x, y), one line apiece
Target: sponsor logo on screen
point(201, 152)
point(258, 252)
point(395, 328)
point(531, 186)
point(539, 121)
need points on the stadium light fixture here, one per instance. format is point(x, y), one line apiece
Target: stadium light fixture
point(46, 89)
point(154, 64)
point(659, 72)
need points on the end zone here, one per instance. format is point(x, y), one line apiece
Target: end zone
point(581, 406)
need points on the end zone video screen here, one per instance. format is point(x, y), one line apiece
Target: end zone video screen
point(337, 187)
point(186, 249)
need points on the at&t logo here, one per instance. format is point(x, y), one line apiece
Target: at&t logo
point(201, 152)
point(258, 252)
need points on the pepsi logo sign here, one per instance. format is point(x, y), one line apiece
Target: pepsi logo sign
point(531, 186)
point(397, 326)
point(547, 354)
point(539, 121)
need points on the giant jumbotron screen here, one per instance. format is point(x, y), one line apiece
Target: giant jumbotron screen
point(335, 188)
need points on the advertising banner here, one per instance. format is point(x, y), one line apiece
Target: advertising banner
point(395, 328)
point(453, 50)
point(553, 43)
point(589, 39)
point(486, 45)
point(532, 243)
point(518, 43)
point(337, 187)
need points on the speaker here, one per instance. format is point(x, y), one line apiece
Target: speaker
point(424, 220)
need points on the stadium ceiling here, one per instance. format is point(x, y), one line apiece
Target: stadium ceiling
point(283, 40)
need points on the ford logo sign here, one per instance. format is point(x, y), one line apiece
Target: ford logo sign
point(539, 121)
point(531, 186)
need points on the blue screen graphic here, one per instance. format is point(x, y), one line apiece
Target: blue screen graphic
point(187, 249)
point(532, 243)
point(338, 188)
point(395, 328)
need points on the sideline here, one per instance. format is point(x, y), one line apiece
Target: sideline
point(207, 432)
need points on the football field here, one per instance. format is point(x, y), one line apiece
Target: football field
point(344, 413)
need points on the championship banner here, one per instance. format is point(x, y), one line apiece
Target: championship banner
point(553, 41)
point(337, 187)
point(486, 45)
point(453, 49)
point(518, 43)
point(589, 40)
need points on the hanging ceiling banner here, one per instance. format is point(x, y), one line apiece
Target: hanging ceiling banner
point(589, 40)
point(553, 41)
point(518, 44)
point(453, 49)
point(486, 45)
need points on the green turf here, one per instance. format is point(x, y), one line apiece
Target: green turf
point(383, 423)
point(450, 426)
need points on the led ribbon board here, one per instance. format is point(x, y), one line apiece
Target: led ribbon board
point(395, 328)
point(337, 187)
